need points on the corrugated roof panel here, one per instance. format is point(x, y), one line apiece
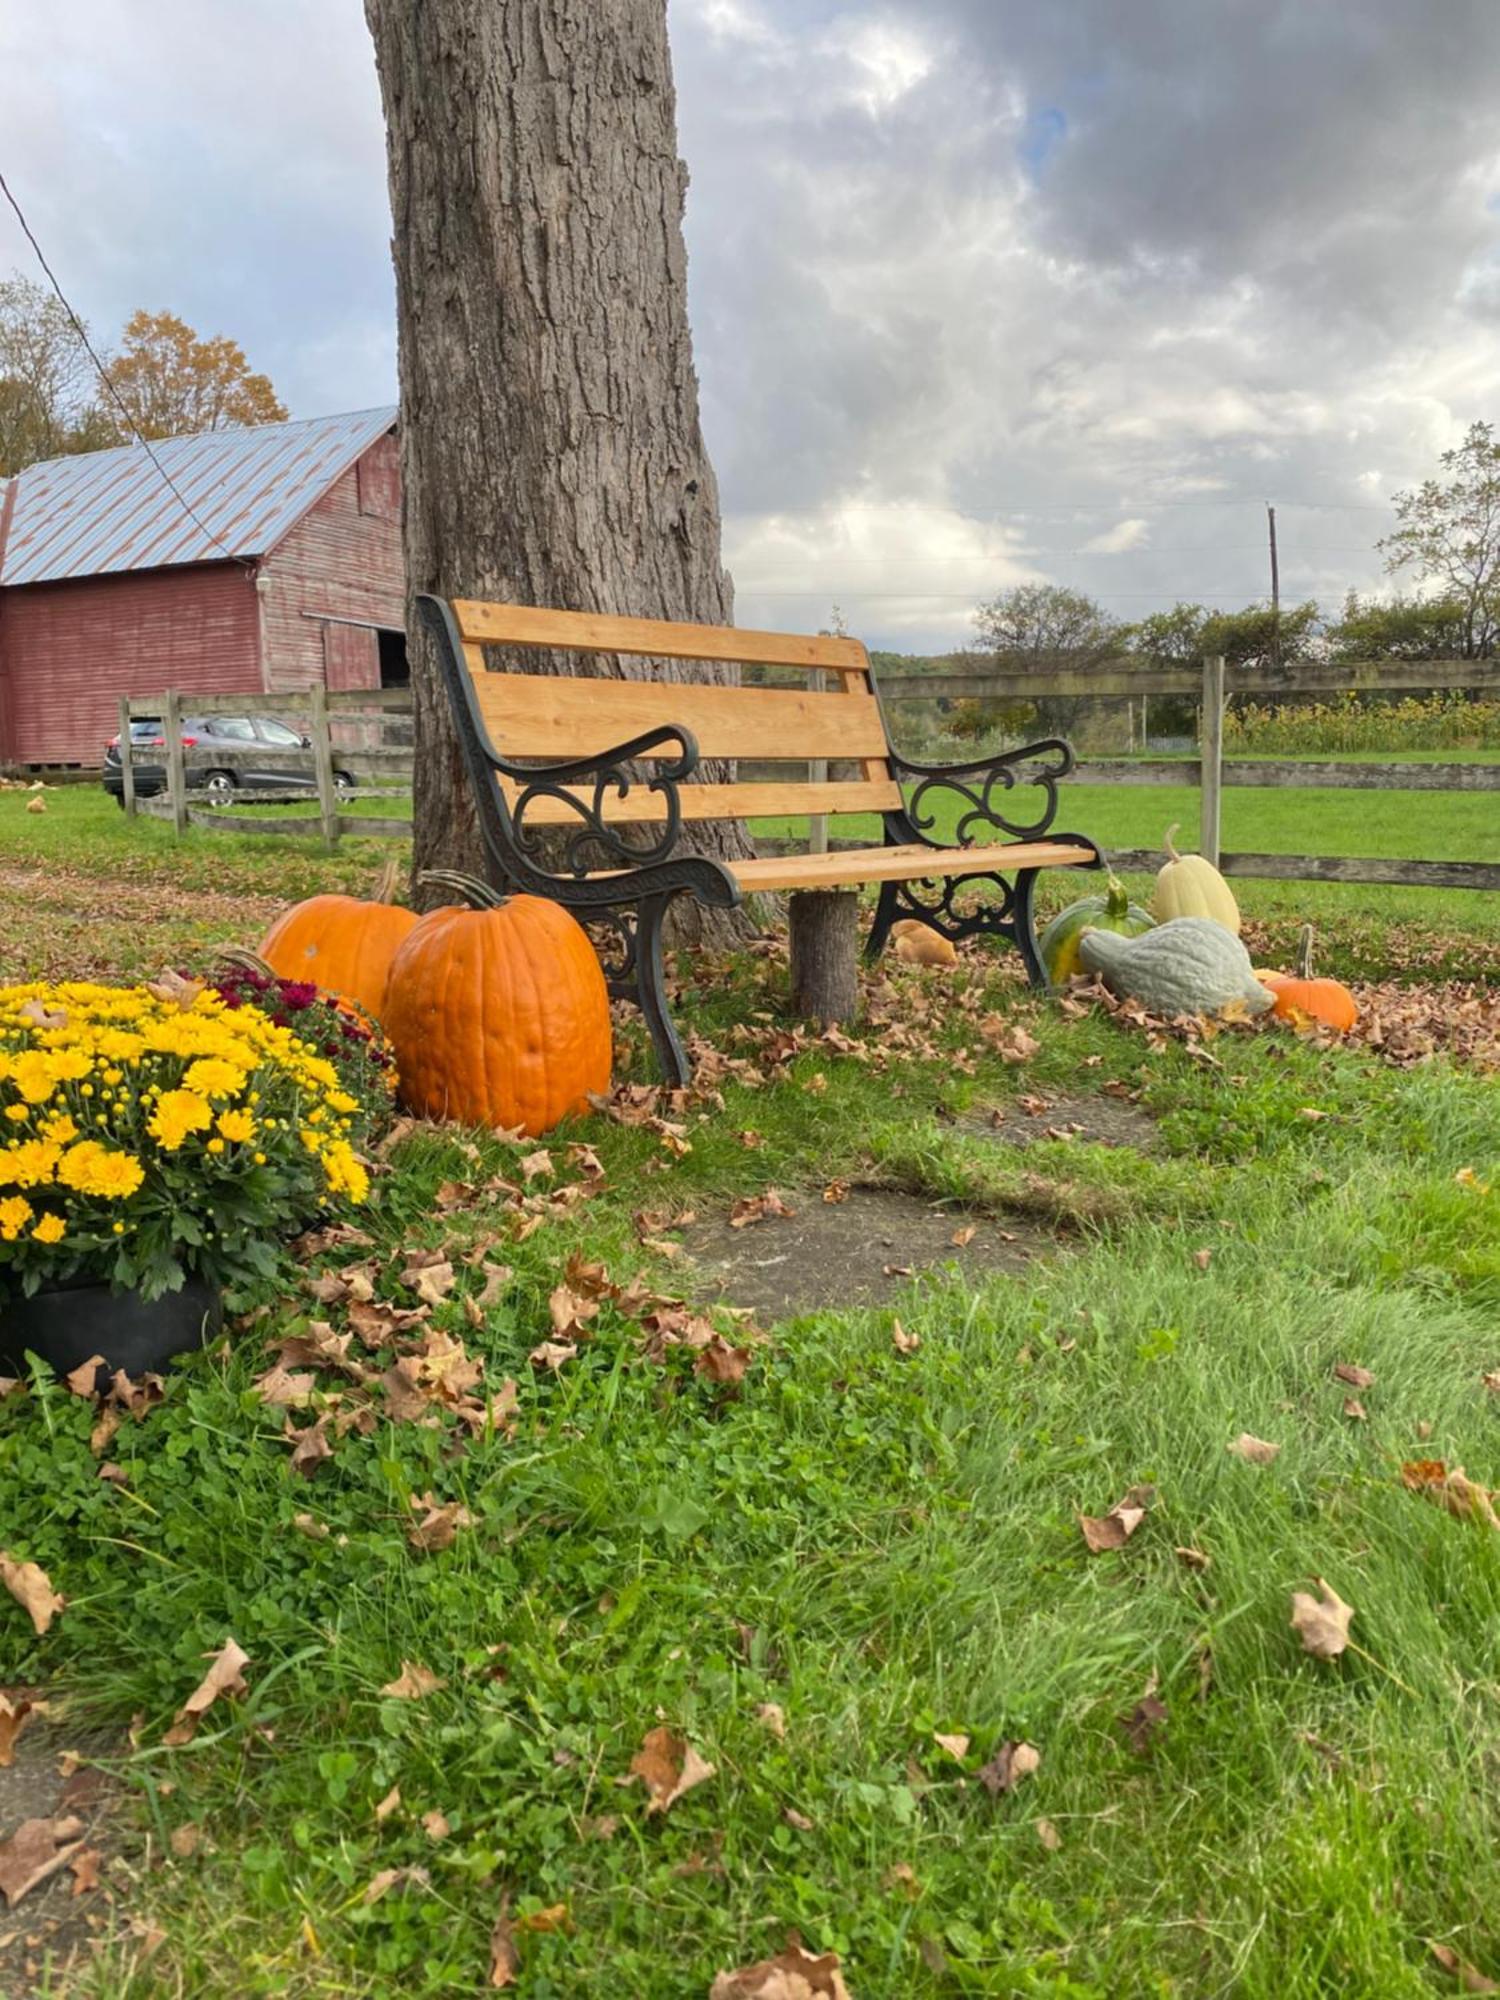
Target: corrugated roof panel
point(107, 511)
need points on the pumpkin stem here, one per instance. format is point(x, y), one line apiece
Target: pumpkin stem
point(476, 894)
point(247, 961)
point(1305, 952)
point(1168, 838)
point(1116, 902)
point(390, 875)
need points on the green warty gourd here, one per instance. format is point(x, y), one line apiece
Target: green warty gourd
point(1191, 965)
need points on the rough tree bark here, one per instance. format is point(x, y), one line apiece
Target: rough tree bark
point(551, 447)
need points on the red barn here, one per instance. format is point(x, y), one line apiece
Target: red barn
point(233, 562)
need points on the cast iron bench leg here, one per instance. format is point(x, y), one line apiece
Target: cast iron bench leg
point(651, 989)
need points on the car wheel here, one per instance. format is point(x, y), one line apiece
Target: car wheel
point(343, 785)
point(218, 787)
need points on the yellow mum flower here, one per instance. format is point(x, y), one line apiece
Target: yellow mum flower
point(51, 1229)
point(177, 1113)
point(18, 1113)
point(67, 1065)
point(60, 1128)
point(212, 1076)
point(345, 1174)
point(236, 1126)
point(15, 1213)
point(32, 1163)
point(91, 1168)
point(31, 1072)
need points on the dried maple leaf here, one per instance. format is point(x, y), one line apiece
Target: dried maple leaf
point(1464, 1498)
point(797, 1819)
point(435, 1825)
point(774, 1717)
point(309, 1447)
point(538, 1923)
point(505, 1959)
point(439, 1524)
point(552, 1354)
point(1010, 1764)
point(413, 1683)
point(1469, 1978)
point(757, 1207)
point(83, 1379)
point(1354, 1408)
point(1357, 1378)
point(15, 1712)
point(32, 1589)
point(1254, 1450)
point(282, 1389)
point(720, 1362)
point(1321, 1622)
point(836, 1191)
point(1142, 1723)
point(539, 1162)
point(962, 1237)
point(84, 1865)
point(957, 1745)
point(793, 1974)
point(668, 1766)
point(225, 1676)
point(388, 1878)
point(173, 990)
point(1115, 1528)
point(35, 1851)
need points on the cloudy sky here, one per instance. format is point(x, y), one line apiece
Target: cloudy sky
point(983, 290)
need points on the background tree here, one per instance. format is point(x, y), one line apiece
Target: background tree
point(1448, 537)
point(1031, 628)
point(45, 377)
point(551, 446)
point(173, 383)
point(1403, 628)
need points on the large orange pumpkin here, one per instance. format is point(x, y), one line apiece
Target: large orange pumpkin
point(498, 1015)
point(1301, 997)
point(342, 944)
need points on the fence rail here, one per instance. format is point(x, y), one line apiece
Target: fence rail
point(384, 768)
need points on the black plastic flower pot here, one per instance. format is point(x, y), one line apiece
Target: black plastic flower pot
point(67, 1323)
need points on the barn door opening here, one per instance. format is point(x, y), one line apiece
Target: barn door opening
point(395, 668)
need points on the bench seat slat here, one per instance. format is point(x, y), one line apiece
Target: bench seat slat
point(748, 801)
point(554, 715)
point(898, 864)
point(591, 632)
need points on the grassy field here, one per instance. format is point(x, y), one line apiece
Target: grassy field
point(815, 1574)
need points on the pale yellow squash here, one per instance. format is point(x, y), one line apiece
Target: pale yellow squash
point(1189, 886)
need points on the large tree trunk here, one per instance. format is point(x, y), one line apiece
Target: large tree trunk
point(551, 446)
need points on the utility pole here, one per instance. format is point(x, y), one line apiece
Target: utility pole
point(1275, 590)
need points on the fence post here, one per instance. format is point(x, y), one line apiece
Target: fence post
point(127, 768)
point(328, 804)
point(1211, 753)
point(817, 774)
point(176, 782)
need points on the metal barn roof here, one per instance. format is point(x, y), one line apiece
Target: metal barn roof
point(103, 512)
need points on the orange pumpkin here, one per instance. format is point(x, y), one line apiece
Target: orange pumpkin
point(498, 1015)
point(1301, 997)
point(342, 944)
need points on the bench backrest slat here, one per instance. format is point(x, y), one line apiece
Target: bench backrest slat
point(589, 632)
point(563, 716)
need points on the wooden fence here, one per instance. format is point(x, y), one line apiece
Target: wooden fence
point(351, 736)
point(351, 732)
point(1212, 684)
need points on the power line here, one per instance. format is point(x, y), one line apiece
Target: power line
point(103, 373)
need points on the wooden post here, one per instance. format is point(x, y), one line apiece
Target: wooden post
point(1211, 753)
point(127, 767)
point(824, 927)
point(328, 803)
point(176, 780)
point(817, 774)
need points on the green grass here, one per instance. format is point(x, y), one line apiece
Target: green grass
point(882, 1544)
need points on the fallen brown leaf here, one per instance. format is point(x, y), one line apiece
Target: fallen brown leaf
point(1464, 1498)
point(552, 1354)
point(793, 1974)
point(1010, 1764)
point(1114, 1529)
point(1321, 1622)
point(1143, 1722)
point(756, 1208)
point(84, 1868)
point(16, 1710)
point(1357, 1378)
point(774, 1717)
point(185, 1840)
point(902, 1341)
point(439, 1525)
point(389, 1878)
point(1254, 1450)
point(1048, 1835)
point(1469, 1978)
point(225, 1676)
point(1354, 1408)
point(413, 1683)
point(1192, 1558)
point(35, 1851)
point(668, 1766)
point(435, 1825)
point(32, 1589)
point(505, 1959)
point(388, 1805)
point(957, 1746)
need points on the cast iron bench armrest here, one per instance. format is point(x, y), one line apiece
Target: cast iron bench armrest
point(594, 842)
point(984, 776)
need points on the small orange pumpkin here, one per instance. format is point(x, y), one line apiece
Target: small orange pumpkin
point(341, 943)
point(498, 1014)
point(1301, 997)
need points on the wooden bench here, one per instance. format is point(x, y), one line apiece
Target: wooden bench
point(583, 786)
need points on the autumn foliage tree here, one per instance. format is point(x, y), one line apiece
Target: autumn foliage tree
point(173, 383)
